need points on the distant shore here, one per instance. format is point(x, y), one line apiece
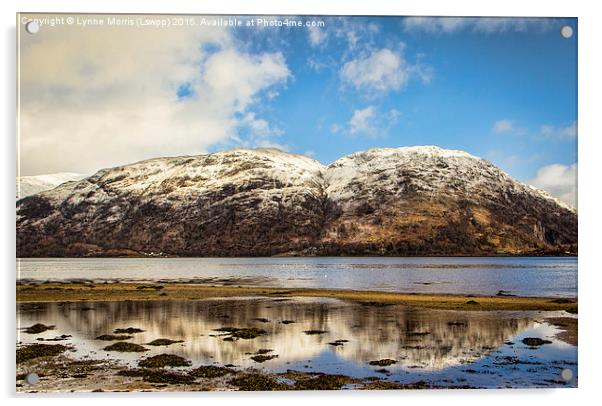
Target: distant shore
point(125, 253)
point(130, 291)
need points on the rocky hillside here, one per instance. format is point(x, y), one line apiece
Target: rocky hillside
point(405, 201)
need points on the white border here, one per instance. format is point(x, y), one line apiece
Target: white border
point(590, 171)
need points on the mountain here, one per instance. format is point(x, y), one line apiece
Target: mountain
point(261, 202)
point(30, 185)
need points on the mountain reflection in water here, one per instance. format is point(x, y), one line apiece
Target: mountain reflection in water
point(420, 340)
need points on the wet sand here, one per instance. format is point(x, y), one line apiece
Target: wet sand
point(117, 291)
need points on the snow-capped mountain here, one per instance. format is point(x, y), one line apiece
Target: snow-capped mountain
point(403, 201)
point(30, 185)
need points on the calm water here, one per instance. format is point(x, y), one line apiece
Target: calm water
point(520, 276)
point(445, 348)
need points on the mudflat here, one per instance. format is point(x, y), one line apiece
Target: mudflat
point(120, 291)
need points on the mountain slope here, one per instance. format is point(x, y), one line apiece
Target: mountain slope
point(431, 201)
point(30, 185)
point(405, 201)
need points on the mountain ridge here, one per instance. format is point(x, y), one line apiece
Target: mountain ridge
point(392, 201)
point(31, 185)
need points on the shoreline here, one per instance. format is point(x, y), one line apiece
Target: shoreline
point(133, 291)
point(139, 255)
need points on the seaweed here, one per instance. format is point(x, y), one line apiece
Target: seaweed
point(39, 350)
point(164, 341)
point(160, 376)
point(38, 328)
point(383, 362)
point(129, 330)
point(164, 360)
point(248, 333)
point(376, 304)
point(534, 341)
point(211, 371)
point(157, 375)
point(257, 382)
point(323, 382)
point(314, 332)
point(263, 358)
point(113, 337)
point(122, 346)
point(244, 333)
point(62, 337)
point(154, 287)
point(337, 343)
point(386, 385)
point(136, 372)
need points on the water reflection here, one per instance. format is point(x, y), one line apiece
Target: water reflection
point(416, 338)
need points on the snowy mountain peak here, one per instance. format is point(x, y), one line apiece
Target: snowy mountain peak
point(277, 155)
point(30, 185)
point(395, 201)
point(428, 150)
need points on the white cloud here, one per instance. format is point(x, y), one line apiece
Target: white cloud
point(369, 121)
point(503, 126)
point(566, 132)
point(381, 71)
point(486, 25)
point(353, 31)
point(434, 24)
point(108, 95)
point(558, 180)
point(317, 36)
point(361, 121)
point(335, 128)
point(259, 128)
point(393, 116)
point(349, 31)
point(506, 126)
point(319, 64)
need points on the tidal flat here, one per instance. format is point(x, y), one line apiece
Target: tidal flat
point(202, 338)
point(86, 290)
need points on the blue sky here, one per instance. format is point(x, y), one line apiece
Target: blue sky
point(504, 89)
point(507, 93)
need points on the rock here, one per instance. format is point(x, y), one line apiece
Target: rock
point(535, 341)
point(383, 362)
